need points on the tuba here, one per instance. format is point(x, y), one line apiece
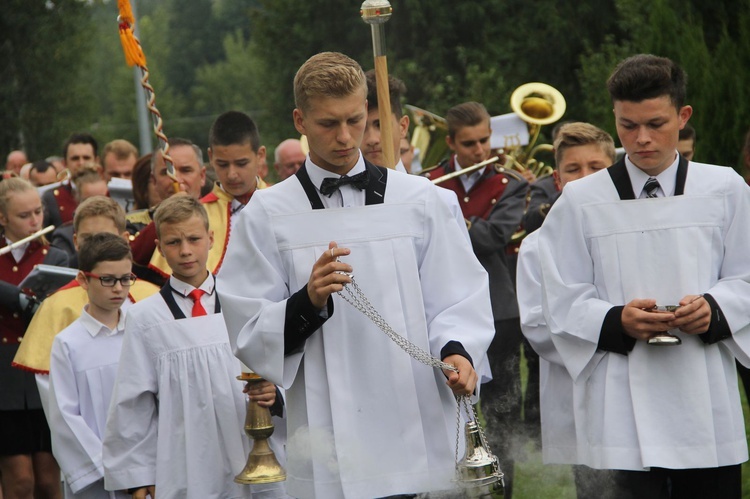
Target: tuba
point(537, 104)
point(428, 136)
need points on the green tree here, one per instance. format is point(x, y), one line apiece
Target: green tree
point(44, 92)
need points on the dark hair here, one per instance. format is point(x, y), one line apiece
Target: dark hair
point(41, 166)
point(464, 115)
point(234, 127)
point(396, 91)
point(141, 179)
point(102, 247)
point(80, 138)
point(687, 133)
point(646, 76)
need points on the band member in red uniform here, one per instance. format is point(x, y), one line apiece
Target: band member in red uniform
point(27, 467)
point(60, 203)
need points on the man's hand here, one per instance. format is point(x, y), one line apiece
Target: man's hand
point(641, 323)
point(263, 392)
point(326, 277)
point(693, 316)
point(145, 492)
point(464, 381)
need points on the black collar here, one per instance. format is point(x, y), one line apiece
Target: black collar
point(374, 192)
point(619, 174)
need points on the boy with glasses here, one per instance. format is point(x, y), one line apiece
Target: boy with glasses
point(84, 363)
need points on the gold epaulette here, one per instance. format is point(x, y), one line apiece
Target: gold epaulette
point(139, 217)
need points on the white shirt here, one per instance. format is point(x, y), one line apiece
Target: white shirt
point(18, 251)
point(469, 180)
point(667, 179)
point(83, 367)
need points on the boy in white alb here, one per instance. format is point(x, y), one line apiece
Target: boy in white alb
point(653, 230)
point(365, 419)
point(177, 414)
point(83, 366)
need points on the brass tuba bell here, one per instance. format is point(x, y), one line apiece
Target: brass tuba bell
point(538, 103)
point(262, 465)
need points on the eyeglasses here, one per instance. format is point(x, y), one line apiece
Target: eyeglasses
point(109, 281)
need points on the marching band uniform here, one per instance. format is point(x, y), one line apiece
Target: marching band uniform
point(670, 407)
point(352, 394)
point(18, 394)
point(59, 205)
point(542, 194)
point(83, 366)
point(177, 409)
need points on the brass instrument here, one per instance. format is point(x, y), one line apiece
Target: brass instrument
point(428, 136)
point(537, 104)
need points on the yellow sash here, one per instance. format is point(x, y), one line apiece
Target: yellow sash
point(218, 205)
point(56, 313)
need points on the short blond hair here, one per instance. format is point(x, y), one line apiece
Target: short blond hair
point(582, 134)
point(100, 206)
point(178, 208)
point(328, 74)
point(121, 148)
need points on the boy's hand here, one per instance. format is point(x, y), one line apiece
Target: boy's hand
point(464, 381)
point(641, 323)
point(693, 316)
point(145, 492)
point(263, 392)
point(326, 277)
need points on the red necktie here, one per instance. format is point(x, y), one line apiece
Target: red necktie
point(198, 309)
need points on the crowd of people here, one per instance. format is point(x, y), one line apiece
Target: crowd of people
point(629, 296)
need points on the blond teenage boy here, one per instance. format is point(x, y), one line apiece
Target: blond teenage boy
point(177, 413)
point(352, 395)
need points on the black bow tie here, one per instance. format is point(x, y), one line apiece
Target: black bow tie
point(331, 185)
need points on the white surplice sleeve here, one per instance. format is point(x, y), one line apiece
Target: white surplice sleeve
point(130, 438)
point(529, 292)
point(454, 286)
point(732, 291)
point(76, 447)
point(256, 323)
point(573, 310)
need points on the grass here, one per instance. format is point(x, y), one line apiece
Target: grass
point(534, 480)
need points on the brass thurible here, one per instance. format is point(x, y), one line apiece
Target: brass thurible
point(262, 465)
